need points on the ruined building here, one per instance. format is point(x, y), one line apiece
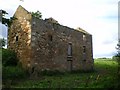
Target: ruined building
point(47, 45)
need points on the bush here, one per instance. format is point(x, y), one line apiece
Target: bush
point(10, 72)
point(9, 58)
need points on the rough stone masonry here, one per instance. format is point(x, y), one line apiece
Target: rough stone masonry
point(47, 45)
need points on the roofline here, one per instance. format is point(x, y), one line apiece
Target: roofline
point(22, 8)
point(79, 29)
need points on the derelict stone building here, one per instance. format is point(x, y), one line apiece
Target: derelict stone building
point(47, 45)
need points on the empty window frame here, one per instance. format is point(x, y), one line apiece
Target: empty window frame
point(84, 37)
point(84, 57)
point(70, 49)
point(84, 49)
point(16, 38)
point(84, 60)
point(50, 37)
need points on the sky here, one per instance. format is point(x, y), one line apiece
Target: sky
point(98, 17)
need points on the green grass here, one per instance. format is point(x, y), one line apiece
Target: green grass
point(104, 76)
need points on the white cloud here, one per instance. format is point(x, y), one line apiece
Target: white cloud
point(95, 16)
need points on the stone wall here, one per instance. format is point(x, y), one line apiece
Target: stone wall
point(44, 45)
point(19, 36)
point(50, 43)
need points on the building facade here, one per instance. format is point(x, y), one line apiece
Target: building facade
point(47, 45)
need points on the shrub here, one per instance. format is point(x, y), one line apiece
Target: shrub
point(10, 72)
point(9, 58)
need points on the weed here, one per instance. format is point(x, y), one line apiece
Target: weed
point(104, 76)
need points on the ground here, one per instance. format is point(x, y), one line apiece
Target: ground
point(103, 76)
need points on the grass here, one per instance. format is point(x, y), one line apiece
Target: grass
point(104, 76)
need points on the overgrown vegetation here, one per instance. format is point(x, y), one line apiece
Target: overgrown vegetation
point(13, 72)
point(9, 58)
point(104, 76)
point(10, 68)
point(37, 14)
point(51, 73)
point(118, 60)
point(5, 21)
point(2, 42)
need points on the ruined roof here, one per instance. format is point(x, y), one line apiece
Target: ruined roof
point(51, 20)
point(82, 30)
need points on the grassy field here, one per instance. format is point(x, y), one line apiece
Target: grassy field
point(104, 76)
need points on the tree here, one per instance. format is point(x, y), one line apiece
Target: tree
point(118, 60)
point(2, 42)
point(6, 21)
point(37, 14)
point(118, 52)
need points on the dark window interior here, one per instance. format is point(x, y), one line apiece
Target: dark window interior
point(84, 60)
point(16, 38)
point(50, 37)
point(84, 49)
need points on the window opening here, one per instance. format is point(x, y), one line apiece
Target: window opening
point(84, 37)
point(84, 49)
point(70, 49)
point(50, 37)
point(16, 38)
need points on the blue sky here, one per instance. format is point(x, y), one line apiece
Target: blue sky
point(98, 17)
